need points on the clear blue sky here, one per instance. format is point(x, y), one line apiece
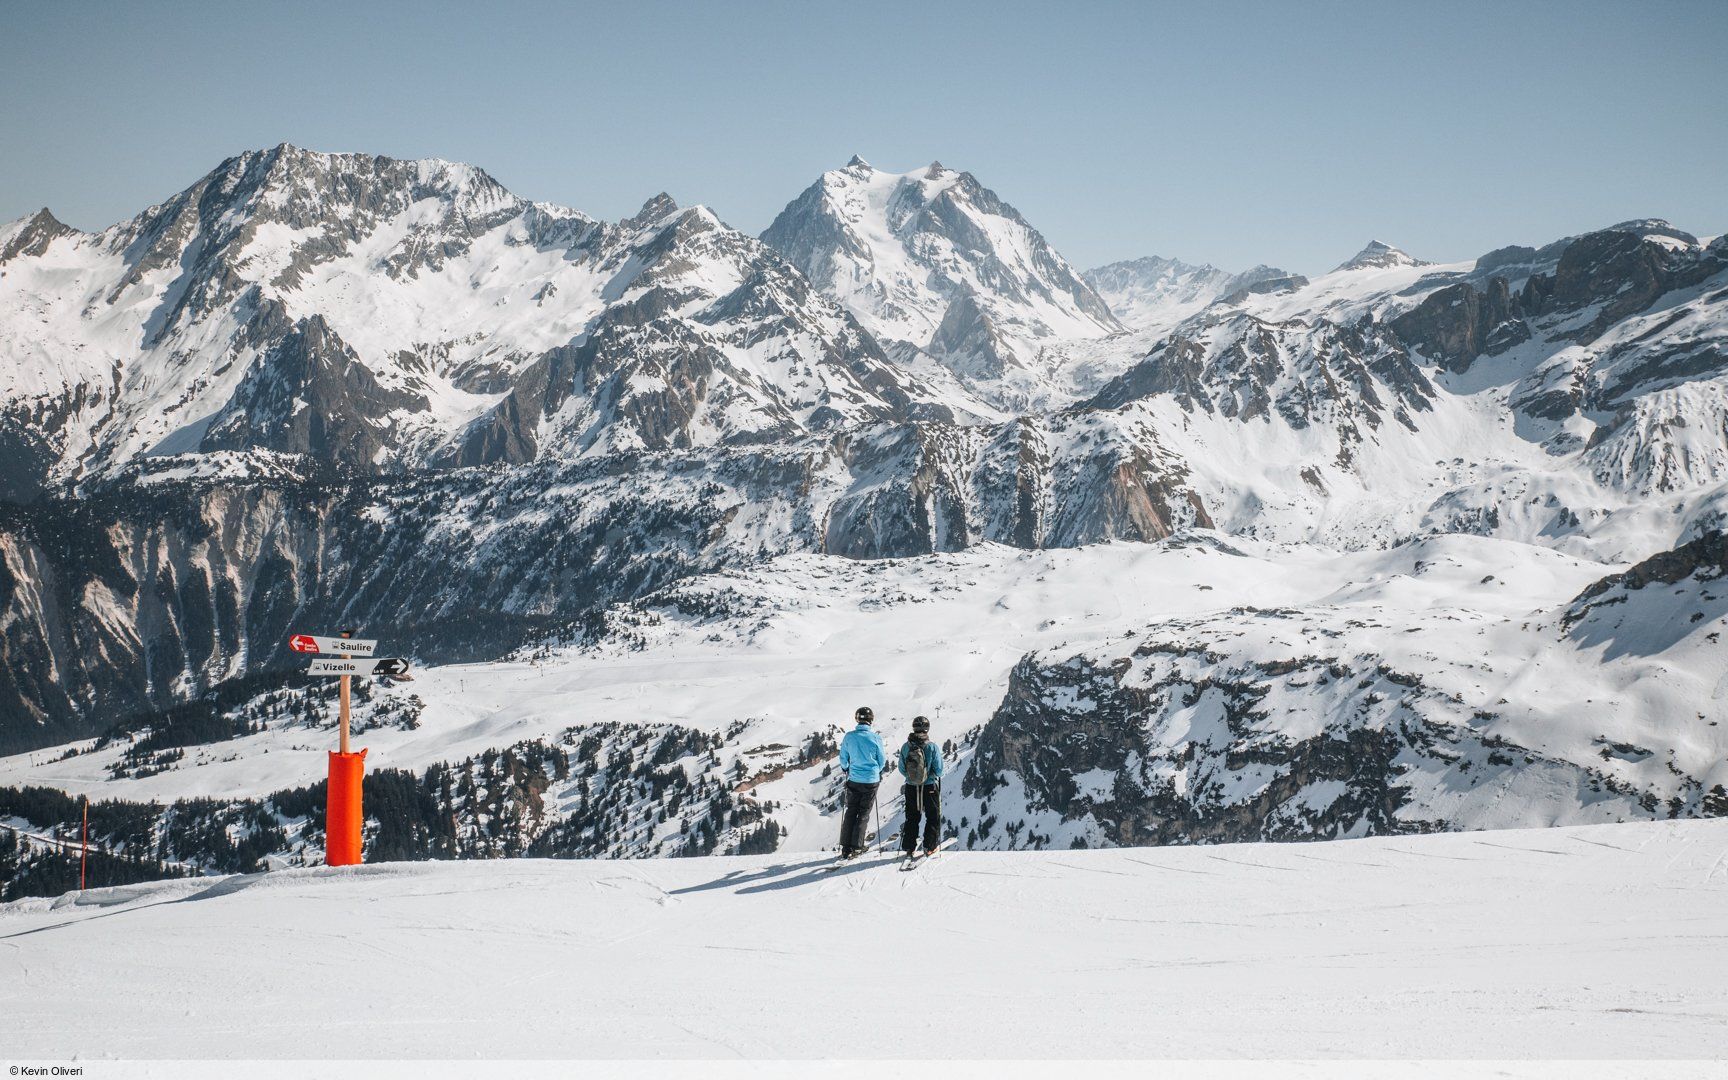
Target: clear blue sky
point(1280, 133)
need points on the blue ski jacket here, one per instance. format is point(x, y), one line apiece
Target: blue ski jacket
point(862, 755)
point(932, 761)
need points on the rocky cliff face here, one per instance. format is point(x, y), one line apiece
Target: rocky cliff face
point(132, 600)
point(1307, 373)
point(1057, 482)
point(129, 600)
point(1622, 272)
point(308, 394)
point(32, 235)
point(1040, 770)
point(1456, 324)
point(1637, 610)
point(1578, 290)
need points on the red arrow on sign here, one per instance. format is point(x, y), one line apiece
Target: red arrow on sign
point(303, 643)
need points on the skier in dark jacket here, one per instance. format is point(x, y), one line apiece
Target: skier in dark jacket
point(862, 756)
point(921, 765)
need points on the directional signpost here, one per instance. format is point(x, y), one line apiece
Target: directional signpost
point(319, 645)
point(393, 666)
point(346, 656)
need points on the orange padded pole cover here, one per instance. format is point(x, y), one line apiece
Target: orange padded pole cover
point(343, 814)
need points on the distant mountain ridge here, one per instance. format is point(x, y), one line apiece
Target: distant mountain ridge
point(1158, 293)
point(424, 315)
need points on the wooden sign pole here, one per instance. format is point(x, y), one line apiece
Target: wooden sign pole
point(84, 846)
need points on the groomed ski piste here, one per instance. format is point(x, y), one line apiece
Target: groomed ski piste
point(1589, 942)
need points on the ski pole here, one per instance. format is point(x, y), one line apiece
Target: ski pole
point(939, 823)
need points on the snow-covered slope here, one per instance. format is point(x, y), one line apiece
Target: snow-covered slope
point(1599, 942)
point(935, 259)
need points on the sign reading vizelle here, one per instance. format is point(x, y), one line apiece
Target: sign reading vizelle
point(385, 665)
point(318, 644)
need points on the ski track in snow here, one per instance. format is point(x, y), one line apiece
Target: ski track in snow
point(1614, 951)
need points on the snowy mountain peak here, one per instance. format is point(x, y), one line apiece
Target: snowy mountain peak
point(308, 206)
point(43, 218)
point(696, 219)
point(857, 162)
point(1378, 256)
point(653, 210)
point(32, 235)
point(1658, 232)
point(1655, 229)
point(901, 250)
point(288, 170)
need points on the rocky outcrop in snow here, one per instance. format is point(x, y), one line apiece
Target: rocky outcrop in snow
point(1307, 373)
point(1455, 324)
point(1297, 723)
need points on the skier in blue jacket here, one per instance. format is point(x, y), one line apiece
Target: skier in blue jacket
point(862, 756)
point(921, 765)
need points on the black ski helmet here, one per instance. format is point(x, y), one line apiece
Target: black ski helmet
point(921, 723)
point(864, 715)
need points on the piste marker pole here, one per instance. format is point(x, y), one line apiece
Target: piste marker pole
point(344, 814)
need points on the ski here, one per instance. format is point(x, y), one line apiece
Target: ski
point(916, 858)
point(841, 864)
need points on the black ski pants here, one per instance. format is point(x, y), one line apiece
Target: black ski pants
point(925, 802)
point(859, 799)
